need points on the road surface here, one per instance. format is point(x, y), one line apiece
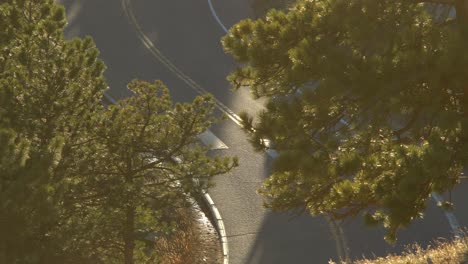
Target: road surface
point(188, 35)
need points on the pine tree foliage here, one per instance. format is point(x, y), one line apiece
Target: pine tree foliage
point(80, 183)
point(49, 90)
point(144, 162)
point(367, 104)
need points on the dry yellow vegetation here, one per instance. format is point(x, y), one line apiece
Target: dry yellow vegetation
point(441, 252)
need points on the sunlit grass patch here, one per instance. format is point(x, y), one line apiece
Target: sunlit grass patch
point(193, 242)
point(440, 252)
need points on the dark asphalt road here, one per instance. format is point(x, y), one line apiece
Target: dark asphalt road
point(186, 33)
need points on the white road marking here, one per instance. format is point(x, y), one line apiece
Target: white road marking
point(344, 122)
point(213, 12)
point(450, 216)
point(272, 153)
point(211, 141)
point(110, 99)
point(73, 10)
point(127, 7)
point(220, 226)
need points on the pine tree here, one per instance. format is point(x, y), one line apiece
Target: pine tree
point(145, 162)
point(80, 182)
point(367, 106)
point(49, 90)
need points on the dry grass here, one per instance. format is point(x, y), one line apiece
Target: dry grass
point(448, 252)
point(193, 242)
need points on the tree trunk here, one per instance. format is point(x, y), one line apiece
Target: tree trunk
point(129, 239)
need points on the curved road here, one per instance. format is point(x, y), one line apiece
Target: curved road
point(187, 34)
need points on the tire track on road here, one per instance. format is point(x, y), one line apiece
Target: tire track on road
point(126, 6)
point(215, 15)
